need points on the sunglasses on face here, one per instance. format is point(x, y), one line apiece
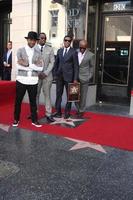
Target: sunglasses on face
point(43, 38)
point(67, 40)
point(82, 48)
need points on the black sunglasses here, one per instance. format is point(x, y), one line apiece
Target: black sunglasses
point(43, 38)
point(82, 48)
point(67, 40)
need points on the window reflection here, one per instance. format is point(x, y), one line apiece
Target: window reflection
point(76, 18)
point(117, 37)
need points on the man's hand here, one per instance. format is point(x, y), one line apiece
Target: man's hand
point(5, 64)
point(42, 75)
point(39, 63)
point(23, 62)
point(75, 81)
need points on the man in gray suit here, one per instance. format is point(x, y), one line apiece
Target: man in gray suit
point(45, 77)
point(86, 67)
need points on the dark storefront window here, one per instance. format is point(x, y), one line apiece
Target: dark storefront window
point(5, 22)
point(92, 30)
point(91, 34)
point(117, 38)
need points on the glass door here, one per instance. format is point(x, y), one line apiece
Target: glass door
point(115, 59)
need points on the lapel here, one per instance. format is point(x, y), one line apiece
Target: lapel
point(9, 56)
point(85, 57)
point(5, 55)
point(61, 54)
point(45, 51)
point(9, 59)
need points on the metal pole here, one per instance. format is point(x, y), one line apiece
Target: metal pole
point(86, 21)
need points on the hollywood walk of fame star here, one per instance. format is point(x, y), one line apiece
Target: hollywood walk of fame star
point(4, 127)
point(82, 144)
point(69, 121)
point(74, 90)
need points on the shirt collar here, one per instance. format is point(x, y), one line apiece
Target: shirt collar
point(29, 48)
point(67, 48)
point(41, 46)
point(82, 53)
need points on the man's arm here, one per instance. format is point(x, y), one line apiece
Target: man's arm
point(56, 64)
point(51, 63)
point(20, 60)
point(5, 61)
point(91, 65)
point(76, 66)
point(38, 65)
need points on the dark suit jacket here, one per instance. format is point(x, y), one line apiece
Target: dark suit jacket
point(66, 66)
point(9, 59)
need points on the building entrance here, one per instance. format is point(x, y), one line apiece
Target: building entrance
point(5, 21)
point(115, 59)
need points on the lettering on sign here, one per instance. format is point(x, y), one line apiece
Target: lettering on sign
point(74, 12)
point(73, 23)
point(119, 6)
point(54, 13)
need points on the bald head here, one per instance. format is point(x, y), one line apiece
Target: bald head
point(83, 45)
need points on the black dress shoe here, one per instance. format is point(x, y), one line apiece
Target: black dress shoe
point(37, 124)
point(80, 114)
point(66, 116)
point(58, 115)
point(15, 123)
point(29, 117)
point(50, 119)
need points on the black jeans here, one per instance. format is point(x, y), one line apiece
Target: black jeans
point(7, 74)
point(60, 83)
point(32, 93)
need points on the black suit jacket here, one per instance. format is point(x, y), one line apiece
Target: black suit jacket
point(66, 66)
point(9, 59)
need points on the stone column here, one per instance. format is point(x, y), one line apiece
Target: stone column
point(24, 19)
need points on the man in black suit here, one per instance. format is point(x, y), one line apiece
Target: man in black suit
point(65, 71)
point(7, 62)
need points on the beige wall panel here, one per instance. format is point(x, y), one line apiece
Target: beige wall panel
point(24, 19)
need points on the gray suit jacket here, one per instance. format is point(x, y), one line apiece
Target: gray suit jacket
point(86, 68)
point(48, 61)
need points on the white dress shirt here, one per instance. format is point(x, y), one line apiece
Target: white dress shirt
point(8, 54)
point(29, 79)
point(41, 47)
point(81, 56)
point(65, 50)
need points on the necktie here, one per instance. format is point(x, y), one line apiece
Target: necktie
point(41, 48)
point(65, 52)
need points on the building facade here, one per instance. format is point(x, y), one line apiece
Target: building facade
point(106, 24)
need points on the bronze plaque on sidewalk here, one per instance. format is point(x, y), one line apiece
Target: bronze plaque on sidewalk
point(73, 92)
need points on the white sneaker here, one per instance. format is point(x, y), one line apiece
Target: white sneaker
point(15, 123)
point(36, 124)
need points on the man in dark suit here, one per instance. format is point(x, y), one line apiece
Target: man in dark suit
point(65, 71)
point(7, 62)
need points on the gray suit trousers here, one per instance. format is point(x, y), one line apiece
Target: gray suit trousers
point(81, 106)
point(45, 85)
